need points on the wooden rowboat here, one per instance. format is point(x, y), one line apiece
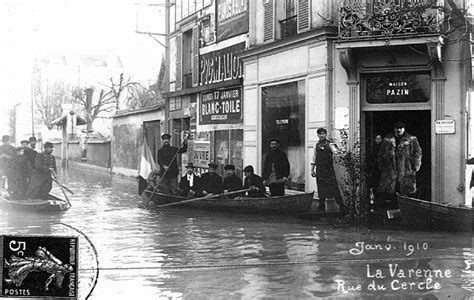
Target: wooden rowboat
point(53, 204)
point(424, 215)
point(294, 203)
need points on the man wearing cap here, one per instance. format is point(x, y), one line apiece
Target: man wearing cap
point(232, 182)
point(254, 183)
point(45, 167)
point(399, 159)
point(19, 174)
point(211, 181)
point(190, 183)
point(276, 169)
point(323, 169)
point(30, 151)
point(168, 161)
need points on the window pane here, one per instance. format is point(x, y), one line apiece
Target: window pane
point(284, 119)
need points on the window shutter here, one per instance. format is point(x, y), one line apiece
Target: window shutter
point(179, 61)
point(269, 20)
point(304, 15)
point(195, 56)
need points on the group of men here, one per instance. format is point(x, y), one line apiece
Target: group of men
point(398, 158)
point(25, 172)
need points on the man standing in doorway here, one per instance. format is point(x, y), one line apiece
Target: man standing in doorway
point(276, 169)
point(399, 159)
point(168, 161)
point(323, 169)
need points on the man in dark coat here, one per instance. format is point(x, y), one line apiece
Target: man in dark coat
point(399, 159)
point(30, 151)
point(323, 169)
point(190, 183)
point(7, 151)
point(19, 173)
point(45, 167)
point(232, 182)
point(211, 181)
point(276, 169)
point(253, 182)
point(168, 161)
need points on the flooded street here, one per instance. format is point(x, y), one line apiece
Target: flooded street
point(127, 252)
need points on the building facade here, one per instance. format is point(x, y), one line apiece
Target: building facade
point(205, 80)
point(357, 66)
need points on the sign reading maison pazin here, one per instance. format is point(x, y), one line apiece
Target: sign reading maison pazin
point(221, 107)
point(232, 18)
point(221, 65)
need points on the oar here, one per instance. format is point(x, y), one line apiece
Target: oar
point(65, 187)
point(204, 198)
point(55, 179)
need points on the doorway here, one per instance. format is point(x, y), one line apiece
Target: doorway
point(418, 123)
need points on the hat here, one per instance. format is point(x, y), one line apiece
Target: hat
point(25, 142)
point(213, 165)
point(189, 165)
point(275, 140)
point(399, 125)
point(229, 167)
point(165, 136)
point(248, 169)
point(5, 138)
point(32, 139)
point(48, 145)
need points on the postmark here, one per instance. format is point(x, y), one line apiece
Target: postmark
point(39, 266)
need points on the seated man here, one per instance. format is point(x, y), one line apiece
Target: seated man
point(254, 183)
point(45, 167)
point(211, 181)
point(18, 174)
point(190, 183)
point(232, 182)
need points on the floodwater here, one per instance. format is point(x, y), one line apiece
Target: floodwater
point(127, 252)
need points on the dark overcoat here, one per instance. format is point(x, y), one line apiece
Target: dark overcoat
point(167, 156)
point(398, 163)
point(276, 160)
point(212, 183)
point(184, 187)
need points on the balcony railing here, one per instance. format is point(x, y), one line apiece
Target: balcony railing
point(381, 18)
point(288, 27)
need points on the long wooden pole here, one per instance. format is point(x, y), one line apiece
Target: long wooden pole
point(204, 198)
point(61, 187)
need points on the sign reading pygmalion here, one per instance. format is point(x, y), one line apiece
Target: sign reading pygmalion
point(221, 65)
point(221, 107)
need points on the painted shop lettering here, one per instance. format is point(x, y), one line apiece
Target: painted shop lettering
point(221, 65)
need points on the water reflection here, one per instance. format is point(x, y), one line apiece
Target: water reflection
point(177, 252)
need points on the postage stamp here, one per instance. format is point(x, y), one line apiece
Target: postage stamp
point(39, 266)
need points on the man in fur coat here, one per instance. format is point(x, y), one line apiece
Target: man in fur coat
point(399, 159)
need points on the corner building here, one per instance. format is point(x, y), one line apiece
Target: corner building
point(360, 66)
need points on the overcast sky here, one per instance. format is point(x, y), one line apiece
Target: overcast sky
point(29, 27)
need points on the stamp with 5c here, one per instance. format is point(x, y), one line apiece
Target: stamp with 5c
point(39, 266)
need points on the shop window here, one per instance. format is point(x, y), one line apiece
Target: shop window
point(284, 117)
point(228, 149)
point(398, 87)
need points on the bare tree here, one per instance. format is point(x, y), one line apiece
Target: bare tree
point(140, 97)
point(48, 100)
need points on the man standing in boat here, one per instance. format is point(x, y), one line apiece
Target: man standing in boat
point(168, 161)
point(323, 169)
point(45, 167)
point(7, 151)
point(276, 169)
point(399, 159)
point(19, 173)
point(30, 152)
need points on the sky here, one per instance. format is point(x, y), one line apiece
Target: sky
point(95, 27)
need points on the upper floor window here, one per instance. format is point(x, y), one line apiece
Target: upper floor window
point(290, 8)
